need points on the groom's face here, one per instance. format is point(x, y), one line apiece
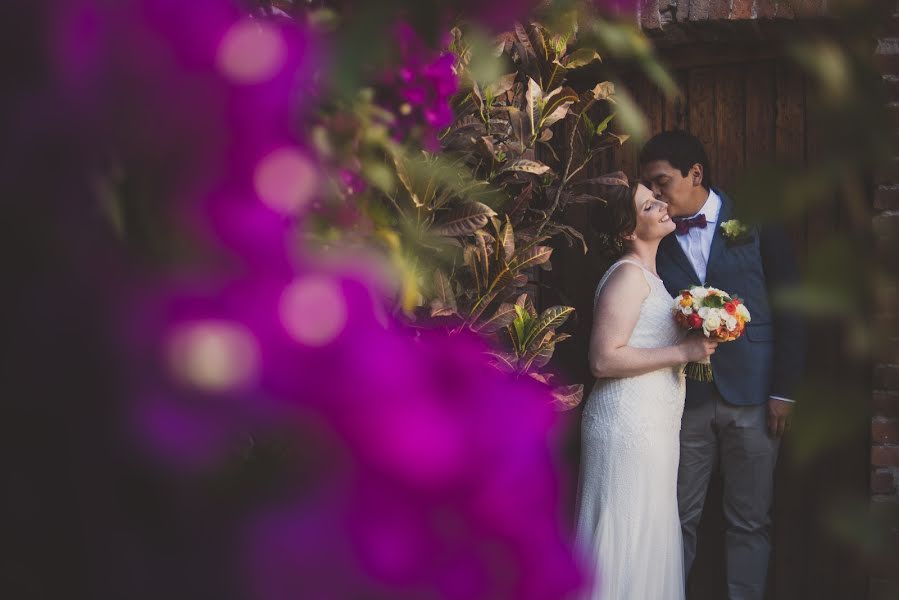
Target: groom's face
point(670, 186)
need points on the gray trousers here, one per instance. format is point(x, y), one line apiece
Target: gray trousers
point(737, 436)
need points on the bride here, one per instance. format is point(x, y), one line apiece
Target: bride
point(627, 519)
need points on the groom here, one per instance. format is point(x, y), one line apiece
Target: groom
point(737, 420)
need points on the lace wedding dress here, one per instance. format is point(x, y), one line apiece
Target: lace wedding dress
point(627, 521)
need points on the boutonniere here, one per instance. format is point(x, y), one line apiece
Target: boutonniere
point(735, 232)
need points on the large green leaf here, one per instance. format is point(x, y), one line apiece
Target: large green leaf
point(484, 262)
point(444, 301)
point(525, 302)
point(538, 42)
point(533, 103)
point(545, 352)
point(581, 57)
point(464, 219)
point(604, 123)
point(531, 257)
point(504, 361)
point(524, 165)
point(549, 320)
point(503, 317)
point(557, 104)
point(507, 241)
point(481, 305)
point(553, 74)
point(601, 91)
point(568, 396)
point(502, 279)
point(501, 85)
point(472, 260)
point(542, 348)
point(570, 232)
point(520, 327)
point(402, 172)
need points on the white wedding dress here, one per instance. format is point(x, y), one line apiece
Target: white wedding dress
point(627, 520)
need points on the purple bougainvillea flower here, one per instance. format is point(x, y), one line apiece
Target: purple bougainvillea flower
point(403, 466)
point(418, 89)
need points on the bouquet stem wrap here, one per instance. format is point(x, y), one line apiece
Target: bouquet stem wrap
point(699, 371)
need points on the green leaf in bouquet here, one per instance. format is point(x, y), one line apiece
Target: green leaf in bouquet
point(713, 301)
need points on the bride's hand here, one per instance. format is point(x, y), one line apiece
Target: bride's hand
point(698, 347)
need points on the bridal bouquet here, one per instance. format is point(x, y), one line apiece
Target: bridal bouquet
point(716, 314)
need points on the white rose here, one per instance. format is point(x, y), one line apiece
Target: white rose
point(744, 313)
point(699, 292)
point(712, 322)
point(730, 322)
point(704, 312)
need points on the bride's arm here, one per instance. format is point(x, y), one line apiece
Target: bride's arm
point(614, 318)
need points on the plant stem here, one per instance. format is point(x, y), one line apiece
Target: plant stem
point(566, 176)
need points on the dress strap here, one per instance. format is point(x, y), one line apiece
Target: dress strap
point(647, 274)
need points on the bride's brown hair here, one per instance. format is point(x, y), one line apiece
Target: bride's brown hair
point(614, 215)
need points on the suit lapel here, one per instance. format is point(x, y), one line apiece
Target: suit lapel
point(673, 250)
point(718, 244)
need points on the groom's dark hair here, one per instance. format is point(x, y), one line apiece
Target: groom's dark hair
point(681, 149)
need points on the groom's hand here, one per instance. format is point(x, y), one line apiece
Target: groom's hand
point(778, 416)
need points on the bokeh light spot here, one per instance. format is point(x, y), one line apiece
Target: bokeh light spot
point(213, 355)
point(313, 310)
point(251, 52)
point(285, 181)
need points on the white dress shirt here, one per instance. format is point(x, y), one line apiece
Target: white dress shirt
point(697, 242)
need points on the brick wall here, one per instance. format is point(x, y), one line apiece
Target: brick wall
point(658, 14)
point(885, 400)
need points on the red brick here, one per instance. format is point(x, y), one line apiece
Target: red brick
point(742, 9)
point(785, 9)
point(886, 377)
point(719, 9)
point(810, 8)
point(885, 456)
point(649, 14)
point(891, 86)
point(883, 482)
point(766, 9)
point(699, 10)
point(884, 404)
point(886, 197)
point(884, 431)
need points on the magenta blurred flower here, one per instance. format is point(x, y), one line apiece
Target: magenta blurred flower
point(414, 467)
point(419, 90)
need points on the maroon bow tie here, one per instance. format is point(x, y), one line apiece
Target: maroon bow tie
point(684, 225)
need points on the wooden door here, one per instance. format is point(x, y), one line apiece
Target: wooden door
point(745, 112)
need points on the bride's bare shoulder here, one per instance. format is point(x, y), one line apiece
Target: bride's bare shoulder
point(626, 283)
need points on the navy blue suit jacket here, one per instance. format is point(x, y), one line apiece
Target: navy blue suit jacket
point(768, 359)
